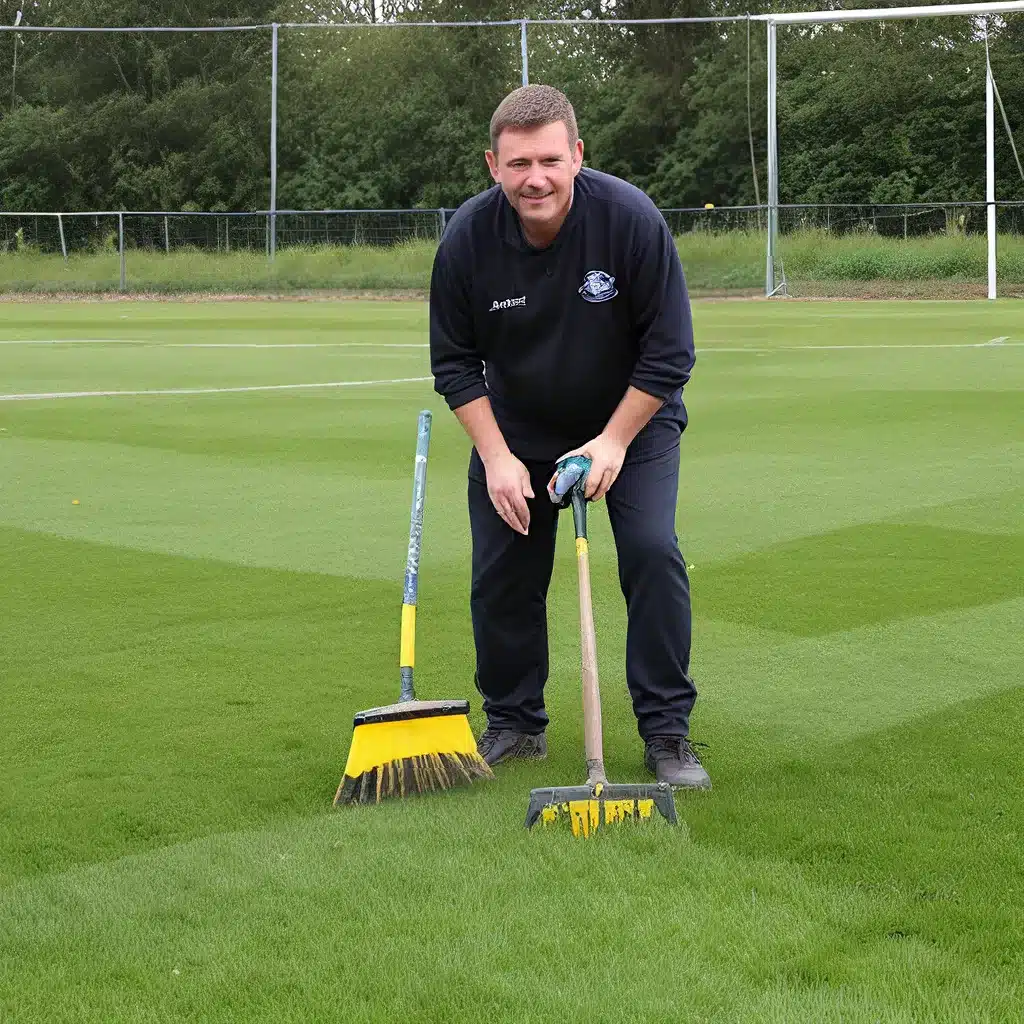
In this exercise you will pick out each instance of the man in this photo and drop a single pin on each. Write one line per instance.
(560, 324)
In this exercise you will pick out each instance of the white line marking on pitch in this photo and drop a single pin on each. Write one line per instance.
(41, 396)
(296, 344)
(975, 344)
(994, 343)
(215, 344)
(75, 341)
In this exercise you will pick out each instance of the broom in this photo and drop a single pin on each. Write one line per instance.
(414, 746)
(599, 802)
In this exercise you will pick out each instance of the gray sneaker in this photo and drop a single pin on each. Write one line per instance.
(672, 760)
(497, 745)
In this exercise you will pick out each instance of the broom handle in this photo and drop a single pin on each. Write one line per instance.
(588, 643)
(407, 657)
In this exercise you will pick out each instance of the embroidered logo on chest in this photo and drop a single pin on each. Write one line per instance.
(598, 286)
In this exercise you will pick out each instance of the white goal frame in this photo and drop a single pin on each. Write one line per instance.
(771, 286)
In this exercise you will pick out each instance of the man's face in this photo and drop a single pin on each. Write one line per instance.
(535, 168)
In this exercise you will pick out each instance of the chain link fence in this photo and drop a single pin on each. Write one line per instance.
(67, 233)
(723, 248)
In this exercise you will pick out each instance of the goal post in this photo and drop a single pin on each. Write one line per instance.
(977, 10)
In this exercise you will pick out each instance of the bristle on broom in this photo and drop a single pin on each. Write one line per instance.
(415, 746)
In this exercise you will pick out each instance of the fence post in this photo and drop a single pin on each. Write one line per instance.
(63, 245)
(273, 143)
(167, 236)
(990, 172)
(522, 49)
(120, 246)
(773, 167)
(442, 220)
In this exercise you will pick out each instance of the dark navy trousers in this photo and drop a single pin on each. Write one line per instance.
(508, 600)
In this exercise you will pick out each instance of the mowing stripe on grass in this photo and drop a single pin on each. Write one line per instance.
(42, 396)
(1000, 342)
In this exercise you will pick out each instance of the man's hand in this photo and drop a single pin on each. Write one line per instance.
(508, 480)
(606, 456)
(508, 484)
(607, 451)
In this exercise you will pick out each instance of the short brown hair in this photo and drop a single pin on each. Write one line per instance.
(531, 106)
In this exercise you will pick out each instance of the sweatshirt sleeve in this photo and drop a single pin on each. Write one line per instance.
(661, 312)
(455, 360)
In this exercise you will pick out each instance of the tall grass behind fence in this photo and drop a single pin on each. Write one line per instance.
(715, 261)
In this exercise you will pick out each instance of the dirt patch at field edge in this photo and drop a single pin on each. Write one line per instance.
(799, 291)
(298, 296)
(904, 290)
(311, 296)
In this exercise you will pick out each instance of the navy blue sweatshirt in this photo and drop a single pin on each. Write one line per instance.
(554, 337)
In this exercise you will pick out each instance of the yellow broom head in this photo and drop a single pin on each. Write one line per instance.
(412, 747)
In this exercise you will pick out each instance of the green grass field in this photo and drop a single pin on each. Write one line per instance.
(183, 650)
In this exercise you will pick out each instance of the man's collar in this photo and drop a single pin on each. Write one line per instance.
(515, 235)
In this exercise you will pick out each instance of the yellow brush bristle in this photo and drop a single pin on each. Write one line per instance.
(408, 756)
(587, 816)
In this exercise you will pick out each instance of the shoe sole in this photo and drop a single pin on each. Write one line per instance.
(518, 756)
(676, 786)
(703, 784)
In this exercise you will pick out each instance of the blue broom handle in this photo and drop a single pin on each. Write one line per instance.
(412, 561)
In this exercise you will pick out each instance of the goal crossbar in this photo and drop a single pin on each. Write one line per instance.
(891, 13)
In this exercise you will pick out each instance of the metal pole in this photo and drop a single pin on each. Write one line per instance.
(523, 51)
(14, 66)
(773, 180)
(441, 221)
(273, 143)
(990, 174)
(63, 245)
(167, 236)
(120, 246)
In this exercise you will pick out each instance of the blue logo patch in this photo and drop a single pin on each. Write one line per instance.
(598, 286)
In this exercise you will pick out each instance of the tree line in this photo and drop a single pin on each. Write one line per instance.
(397, 117)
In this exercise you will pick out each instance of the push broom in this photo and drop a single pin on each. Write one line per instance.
(414, 746)
(599, 802)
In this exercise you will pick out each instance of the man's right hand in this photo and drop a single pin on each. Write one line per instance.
(508, 480)
(508, 484)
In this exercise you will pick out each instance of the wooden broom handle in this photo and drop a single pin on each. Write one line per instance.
(588, 645)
